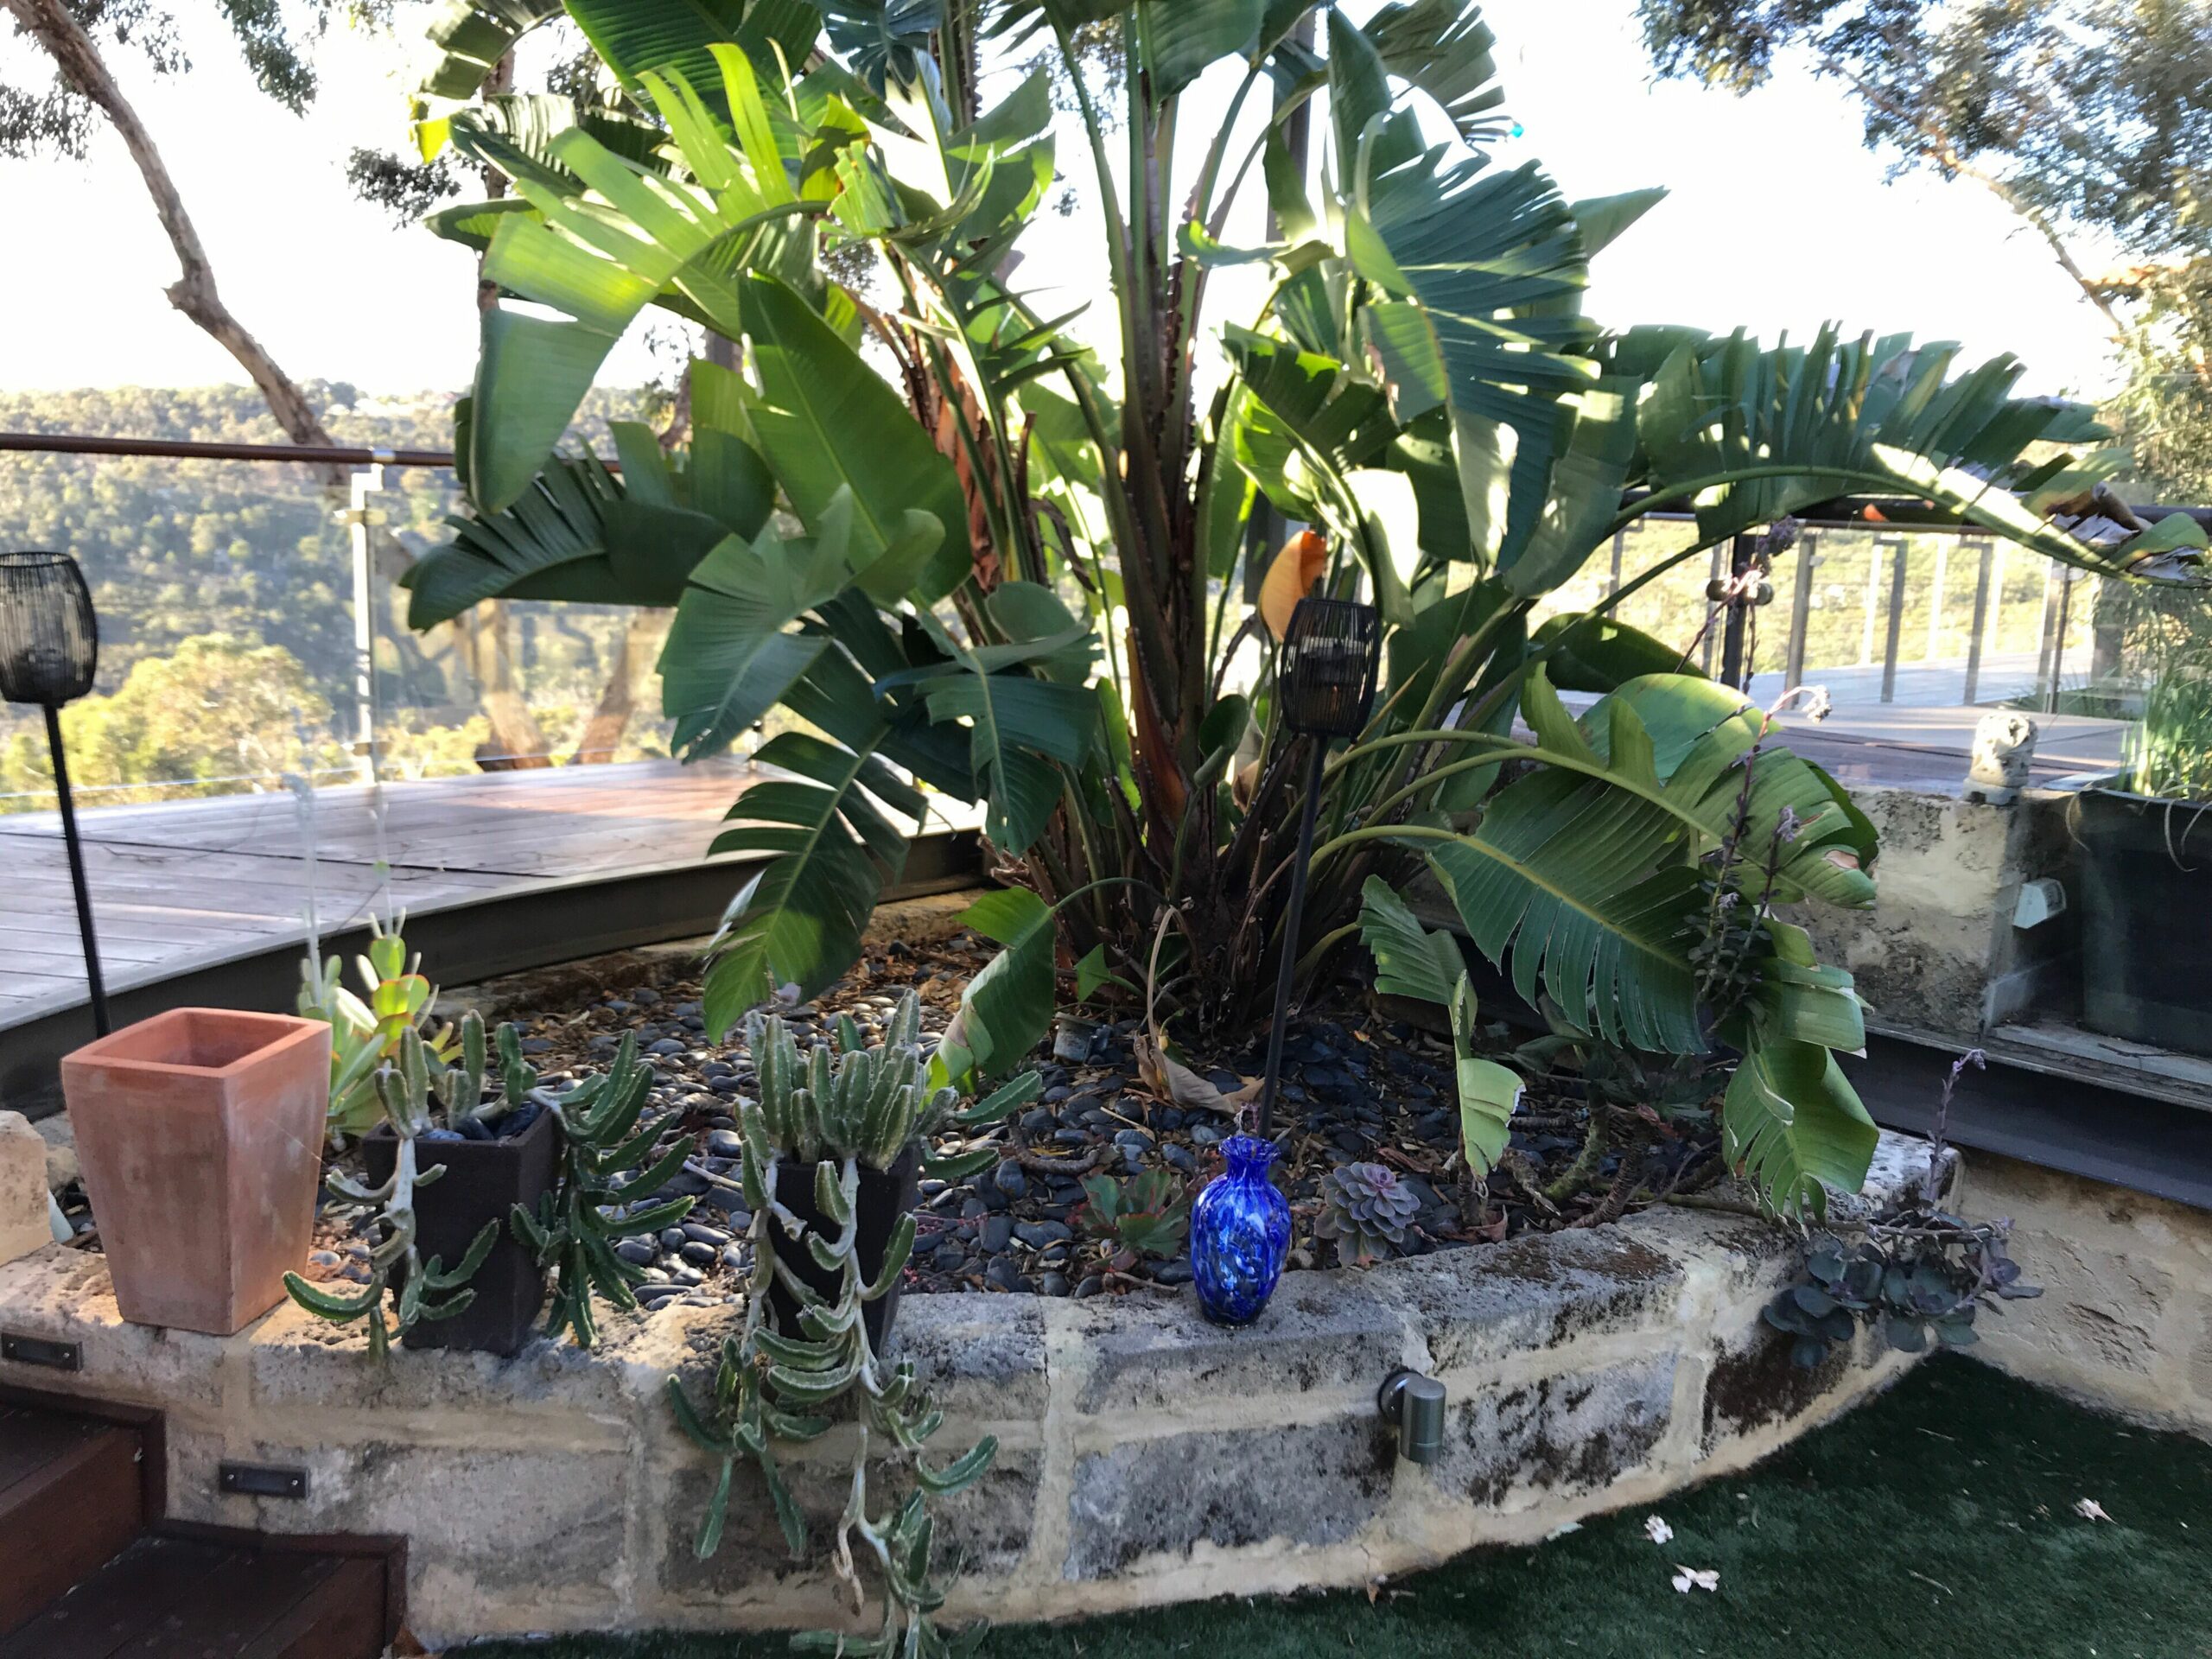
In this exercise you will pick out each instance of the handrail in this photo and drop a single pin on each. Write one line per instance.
(1850, 512)
(70, 443)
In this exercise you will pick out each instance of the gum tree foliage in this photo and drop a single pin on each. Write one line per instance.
(76, 38)
(1011, 567)
(2091, 119)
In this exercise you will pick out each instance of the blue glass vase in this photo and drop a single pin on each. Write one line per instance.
(1240, 1232)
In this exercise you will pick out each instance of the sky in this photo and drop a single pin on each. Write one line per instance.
(1778, 217)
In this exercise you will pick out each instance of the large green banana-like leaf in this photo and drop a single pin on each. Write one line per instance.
(1701, 737)
(678, 36)
(1852, 417)
(1575, 877)
(1483, 270)
(828, 421)
(1180, 38)
(1018, 726)
(1562, 883)
(1792, 1122)
(730, 658)
(798, 920)
(600, 259)
(579, 532)
(468, 37)
(1008, 1007)
(1410, 960)
(1595, 443)
(1443, 46)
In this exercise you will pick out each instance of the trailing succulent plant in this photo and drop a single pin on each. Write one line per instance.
(1919, 1270)
(1921, 1280)
(597, 1181)
(836, 1112)
(366, 1029)
(420, 1290)
(1149, 1214)
(1366, 1208)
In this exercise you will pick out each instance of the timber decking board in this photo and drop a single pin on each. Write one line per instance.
(180, 883)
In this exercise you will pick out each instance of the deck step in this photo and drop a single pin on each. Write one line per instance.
(189, 1597)
(72, 1496)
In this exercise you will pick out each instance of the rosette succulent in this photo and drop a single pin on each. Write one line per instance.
(1366, 1208)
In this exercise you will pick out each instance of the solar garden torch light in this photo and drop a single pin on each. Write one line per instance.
(1325, 686)
(49, 646)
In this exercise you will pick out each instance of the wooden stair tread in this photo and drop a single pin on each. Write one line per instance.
(72, 1496)
(171, 1598)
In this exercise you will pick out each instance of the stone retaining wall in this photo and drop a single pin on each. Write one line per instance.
(2125, 1320)
(1147, 1457)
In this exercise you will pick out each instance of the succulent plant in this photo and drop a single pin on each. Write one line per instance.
(848, 1100)
(846, 1104)
(1366, 1208)
(421, 1290)
(1146, 1215)
(366, 1030)
(588, 1207)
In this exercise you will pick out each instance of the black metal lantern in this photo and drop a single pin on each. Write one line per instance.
(49, 649)
(1324, 687)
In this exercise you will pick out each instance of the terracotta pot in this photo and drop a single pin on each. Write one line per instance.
(201, 1135)
(484, 1180)
(885, 1195)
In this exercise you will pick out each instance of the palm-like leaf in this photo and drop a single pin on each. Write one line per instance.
(1863, 416)
(580, 532)
(1410, 960)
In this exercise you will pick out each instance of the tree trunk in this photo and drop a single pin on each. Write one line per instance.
(634, 654)
(518, 742)
(194, 293)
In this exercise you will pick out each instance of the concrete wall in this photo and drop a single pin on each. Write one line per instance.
(2124, 1321)
(1145, 1457)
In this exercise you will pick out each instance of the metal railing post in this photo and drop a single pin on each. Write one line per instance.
(1986, 551)
(1620, 545)
(1711, 643)
(1801, 613)
(1935, 599)
(368, 481)
(1897, 616)
(1873, 593)
(2046, 663)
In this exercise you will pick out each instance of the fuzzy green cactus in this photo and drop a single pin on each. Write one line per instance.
(425, 1290)
(1366, 1208)
(846, 1100)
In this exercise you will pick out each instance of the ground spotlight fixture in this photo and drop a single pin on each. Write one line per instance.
(1414, 1405)
(49, 648)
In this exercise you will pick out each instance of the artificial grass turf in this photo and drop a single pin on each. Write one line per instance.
(1939, 1520)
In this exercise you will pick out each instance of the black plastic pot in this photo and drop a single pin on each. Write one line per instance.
(2147, 919)
(885, 1195)
(483, 1181)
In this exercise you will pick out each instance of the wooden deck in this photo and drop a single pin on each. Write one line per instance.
(184, 885)
(185, 882)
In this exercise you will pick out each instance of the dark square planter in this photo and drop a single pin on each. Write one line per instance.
(484, 1180)
(885, 1195)
(2147, 919)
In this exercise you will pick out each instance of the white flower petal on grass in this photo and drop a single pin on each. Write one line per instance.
(1656, 1529)
(1688, 1578)
(2089, 1509)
